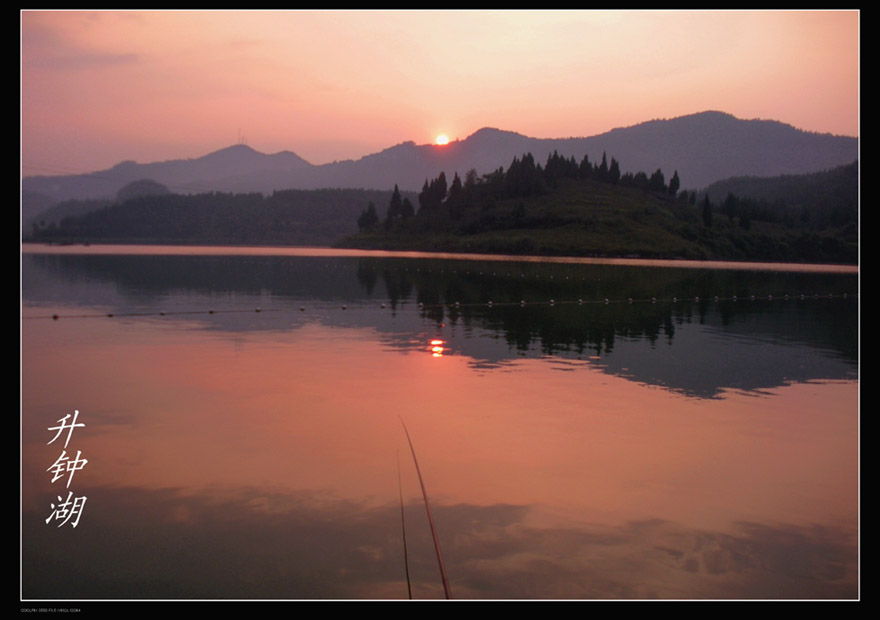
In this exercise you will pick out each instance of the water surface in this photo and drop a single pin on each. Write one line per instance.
(586, 429)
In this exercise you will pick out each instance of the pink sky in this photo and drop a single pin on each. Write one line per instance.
(101, 87)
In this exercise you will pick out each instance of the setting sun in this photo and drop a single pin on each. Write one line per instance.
(442, 139)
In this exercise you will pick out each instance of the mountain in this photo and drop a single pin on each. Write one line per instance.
(826, 188)
(703, 148)
(237, 168)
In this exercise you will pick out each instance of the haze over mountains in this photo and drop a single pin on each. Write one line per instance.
(703, 148)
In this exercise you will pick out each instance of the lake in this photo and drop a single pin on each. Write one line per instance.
(584, 429)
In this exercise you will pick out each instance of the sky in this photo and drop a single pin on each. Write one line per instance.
(100, 87)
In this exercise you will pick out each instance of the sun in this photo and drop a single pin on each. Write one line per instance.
(442, 139)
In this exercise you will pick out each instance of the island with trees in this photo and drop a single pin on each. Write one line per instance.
(585, 208)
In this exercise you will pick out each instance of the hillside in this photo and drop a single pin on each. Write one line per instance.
(601, 214)
(821, 198)
(291, 217)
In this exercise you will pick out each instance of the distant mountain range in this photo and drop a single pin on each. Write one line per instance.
(703, 148)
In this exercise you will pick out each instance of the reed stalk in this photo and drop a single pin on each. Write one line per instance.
(403, 528)
(430, 517)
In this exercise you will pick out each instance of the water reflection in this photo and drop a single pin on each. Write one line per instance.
(744, 329)
(655, 449)
(299, 547)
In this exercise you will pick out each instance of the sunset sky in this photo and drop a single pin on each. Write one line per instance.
(101, 87)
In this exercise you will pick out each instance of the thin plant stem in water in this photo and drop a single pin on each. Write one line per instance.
(430, 518)
(403, 528)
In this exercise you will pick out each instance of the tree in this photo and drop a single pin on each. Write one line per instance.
(455, 189)
(432, 194)
(586, 168)
(674, 183)
(368, 217)
(440, 189)
(455, 198)
(614, 171)
(471, 179)
(657, 182)
(602, 170)
(425, 197)
(707, 211)
(408, 209)
(395, 208)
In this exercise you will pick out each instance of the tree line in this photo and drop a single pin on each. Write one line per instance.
(523, 178)
(307, 217)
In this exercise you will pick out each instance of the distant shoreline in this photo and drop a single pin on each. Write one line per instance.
(165, 249)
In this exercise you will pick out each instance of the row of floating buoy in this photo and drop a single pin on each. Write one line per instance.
(630, 300)
(490, 304)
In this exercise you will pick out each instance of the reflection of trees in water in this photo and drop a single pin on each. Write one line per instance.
(440, 284)
(643, 303)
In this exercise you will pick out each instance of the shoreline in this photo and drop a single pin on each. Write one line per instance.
(148, 249)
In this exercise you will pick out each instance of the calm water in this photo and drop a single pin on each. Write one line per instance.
(243, 432)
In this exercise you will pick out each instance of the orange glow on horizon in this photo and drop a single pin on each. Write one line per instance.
(100, 87)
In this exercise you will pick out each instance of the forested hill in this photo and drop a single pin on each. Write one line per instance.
(820, 198)
(563, 207)
(290, 217)
(590, 209)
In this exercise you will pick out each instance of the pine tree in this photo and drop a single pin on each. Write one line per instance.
(602, 170)
(586, 168)
(657, 182)
(707, 211)
(674, 183)
(395, 206)
(395, 209)
(614, 171)
(368, 217)
(407, 210)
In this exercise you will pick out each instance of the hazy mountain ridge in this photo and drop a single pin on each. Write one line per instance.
(703, 148)
(826, 187)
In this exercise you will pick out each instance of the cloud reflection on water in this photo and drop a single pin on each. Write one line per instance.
(249, 544)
